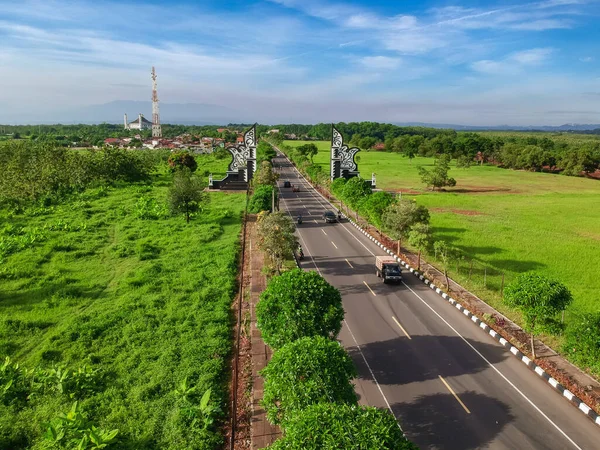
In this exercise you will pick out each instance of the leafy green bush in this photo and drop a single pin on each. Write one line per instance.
(307, 371)
(147, 208)
(180, 159)
(356, 191)
(331, 426)
(298, 304)
(261, 199)
(582, 342)
(540, 299)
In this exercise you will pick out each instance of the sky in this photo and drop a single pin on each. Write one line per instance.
(461, 62)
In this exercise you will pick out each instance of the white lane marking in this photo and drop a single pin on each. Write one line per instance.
(372, 374)
(455, 396)
(466, 342)
(334, 244)
(350, 264)
(401, 327)
(324, 232)
(316, 221)
(495, 369)
(374, 294)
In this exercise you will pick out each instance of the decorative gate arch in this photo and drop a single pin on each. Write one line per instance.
(343, 163)
(242, 166)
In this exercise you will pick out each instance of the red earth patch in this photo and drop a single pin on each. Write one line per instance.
(462, 212)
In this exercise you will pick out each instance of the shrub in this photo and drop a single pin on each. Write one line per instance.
(179, 160)
(262, 199)
(304, 372)
(330, 426)
(356, 191)
(186, 195)
(298, 304)
(582, 341)
(277, 237)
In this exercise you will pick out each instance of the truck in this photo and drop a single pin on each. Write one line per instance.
(388, 269)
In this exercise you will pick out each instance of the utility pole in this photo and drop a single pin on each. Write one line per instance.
(156, 131)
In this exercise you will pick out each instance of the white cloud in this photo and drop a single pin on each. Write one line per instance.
(380, 62)
(586, 59)
(513, 63)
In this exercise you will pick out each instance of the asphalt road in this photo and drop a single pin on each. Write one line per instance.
(450, 385)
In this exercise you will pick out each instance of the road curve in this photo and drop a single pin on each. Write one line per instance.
(450, 385)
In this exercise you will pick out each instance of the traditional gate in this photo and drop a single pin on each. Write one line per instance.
(242, 166)
(343, 163)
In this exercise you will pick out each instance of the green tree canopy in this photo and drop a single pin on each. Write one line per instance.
(398, 218)
(308, 150)
(298, 304)
(447, 253)
(539, 299)
(186, 195)
(375, 205)
(277, 238)
(438, 176)
(265, 175)
(332, 426)
(420, 236)
(304, 372)
(355, 191)
(262, 199)
(178, 160)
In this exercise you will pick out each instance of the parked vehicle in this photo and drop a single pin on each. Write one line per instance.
(388, 269)
(329, 217)
(295, 188)
(286, 183)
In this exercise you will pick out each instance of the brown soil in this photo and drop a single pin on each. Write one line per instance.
(471, 189)
(463, 212)
(243, 408)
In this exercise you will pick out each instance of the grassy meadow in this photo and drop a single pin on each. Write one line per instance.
(506, 221)
(109, 280)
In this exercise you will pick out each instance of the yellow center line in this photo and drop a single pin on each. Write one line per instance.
(455, 396)
(374, 294)
(332, 242)
(401, 327)
(323, 231)
(349, 264)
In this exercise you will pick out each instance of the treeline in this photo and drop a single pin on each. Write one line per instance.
(37, 172)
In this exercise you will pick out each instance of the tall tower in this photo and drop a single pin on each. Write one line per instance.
(156, 132)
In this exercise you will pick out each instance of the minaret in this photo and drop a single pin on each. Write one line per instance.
(125, 121)
(156, 131)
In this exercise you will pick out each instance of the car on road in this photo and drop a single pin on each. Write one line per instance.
(287, 184)
(329, 217)
(295, 188)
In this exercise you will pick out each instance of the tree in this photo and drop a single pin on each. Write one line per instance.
(539, 299)
(304, 372)
(277, 238)
(355, 191)
(331, 426)
(186, 195)
(298, 304)
(375, 205)
(447, 253)
(182, 159)
(438, 177)
(420, 236)
(265, 175)
(399, 217)
(308, 150)
(262, 199)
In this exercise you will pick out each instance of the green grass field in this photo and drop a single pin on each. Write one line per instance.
(506, 221)
(146, 301)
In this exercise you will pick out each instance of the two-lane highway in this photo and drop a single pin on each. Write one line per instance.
(449, 384)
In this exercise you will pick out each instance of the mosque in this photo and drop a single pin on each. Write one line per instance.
(141, 123)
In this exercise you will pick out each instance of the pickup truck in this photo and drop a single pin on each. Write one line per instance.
(388, 269)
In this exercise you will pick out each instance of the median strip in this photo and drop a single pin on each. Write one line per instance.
(401, 327)
(455, 396)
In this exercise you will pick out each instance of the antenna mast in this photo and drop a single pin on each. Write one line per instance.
(156, 131)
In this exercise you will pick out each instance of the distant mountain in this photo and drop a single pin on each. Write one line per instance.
(565, 127)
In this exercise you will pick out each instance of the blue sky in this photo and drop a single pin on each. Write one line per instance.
(277, 61)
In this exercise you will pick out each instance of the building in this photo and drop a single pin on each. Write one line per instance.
(141, 123)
